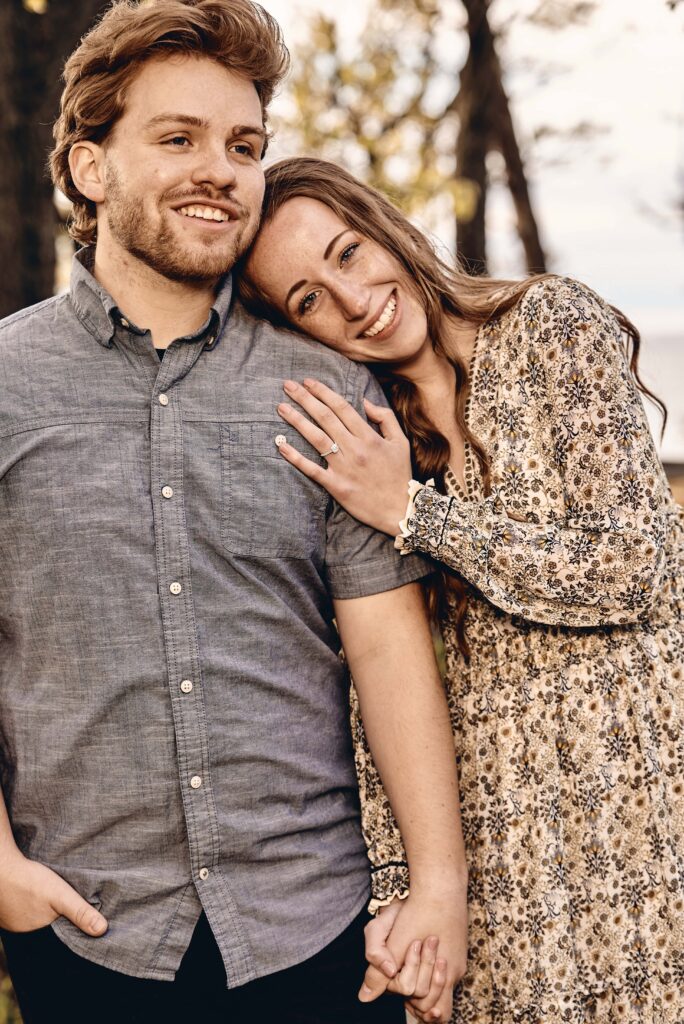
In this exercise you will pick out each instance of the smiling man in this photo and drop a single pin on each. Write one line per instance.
(179, 834)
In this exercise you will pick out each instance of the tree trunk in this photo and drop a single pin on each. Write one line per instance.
(482, 89)
(34, 47)
(471, 168)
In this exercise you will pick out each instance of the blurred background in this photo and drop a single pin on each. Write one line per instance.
(522, 134)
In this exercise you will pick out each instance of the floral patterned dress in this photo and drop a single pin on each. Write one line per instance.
(568, 720)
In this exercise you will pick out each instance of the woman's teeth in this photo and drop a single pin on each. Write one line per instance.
(385, 318)
(204, 212)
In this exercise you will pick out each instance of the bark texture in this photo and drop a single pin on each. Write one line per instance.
(486, 124)
(34, 49)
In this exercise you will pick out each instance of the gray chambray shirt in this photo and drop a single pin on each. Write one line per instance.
(173, 710)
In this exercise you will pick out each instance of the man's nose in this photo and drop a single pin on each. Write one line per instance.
(353, 298)
(214, 167)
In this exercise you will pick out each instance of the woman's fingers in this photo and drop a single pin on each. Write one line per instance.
(435, 1007)
(321, 413)
(428, 956)
(405, 981)
(316, 437)
(304, 465)
(385, 419)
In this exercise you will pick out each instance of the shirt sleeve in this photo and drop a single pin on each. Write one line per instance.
(602, 561)
(359, 560)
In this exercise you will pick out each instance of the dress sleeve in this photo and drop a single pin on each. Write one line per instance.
(602, 560)
(389, 868)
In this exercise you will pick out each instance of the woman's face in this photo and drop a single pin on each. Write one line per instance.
(337, 285)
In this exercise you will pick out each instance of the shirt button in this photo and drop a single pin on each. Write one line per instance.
(186, 685)
(196, 781)
(280, 439)
(163, 399)
(204, 873)
(167, 492)
(124, 322)
(175, 588)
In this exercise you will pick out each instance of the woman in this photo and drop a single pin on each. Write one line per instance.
(533, 483)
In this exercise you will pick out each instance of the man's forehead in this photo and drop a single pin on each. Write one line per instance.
(164, 85)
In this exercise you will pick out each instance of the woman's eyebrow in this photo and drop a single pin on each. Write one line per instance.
(329, 248)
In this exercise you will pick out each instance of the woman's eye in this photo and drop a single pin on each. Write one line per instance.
(178, 141)
(307, 302)
(348, 252)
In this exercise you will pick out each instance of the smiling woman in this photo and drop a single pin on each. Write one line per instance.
(534, 485)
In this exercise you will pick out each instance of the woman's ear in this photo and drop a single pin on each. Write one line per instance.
(86, 162)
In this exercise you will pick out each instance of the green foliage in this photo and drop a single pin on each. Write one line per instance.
(387, 110)
(9, 1012)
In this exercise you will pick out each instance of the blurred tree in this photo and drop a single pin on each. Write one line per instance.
(419, 107)
(9, 1012)
(37, 36)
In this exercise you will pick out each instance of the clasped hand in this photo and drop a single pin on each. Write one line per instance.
(430, 966)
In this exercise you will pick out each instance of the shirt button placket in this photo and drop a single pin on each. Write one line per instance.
(172, 547)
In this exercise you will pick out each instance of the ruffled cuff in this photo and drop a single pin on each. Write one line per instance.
(401, 541)
(388, 883)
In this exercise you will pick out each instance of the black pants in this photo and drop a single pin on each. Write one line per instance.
(54, 985)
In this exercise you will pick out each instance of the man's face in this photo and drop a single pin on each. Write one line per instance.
(183, 177)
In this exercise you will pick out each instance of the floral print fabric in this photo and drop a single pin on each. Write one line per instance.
(569, 718)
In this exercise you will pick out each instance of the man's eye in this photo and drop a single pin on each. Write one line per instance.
(307, 302)
(348, 252)
(242, 149)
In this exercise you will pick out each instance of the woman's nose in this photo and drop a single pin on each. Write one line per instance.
(353, 298)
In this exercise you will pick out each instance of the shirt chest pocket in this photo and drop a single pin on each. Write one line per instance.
(268, 508)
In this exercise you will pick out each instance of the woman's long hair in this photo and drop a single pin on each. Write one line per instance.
(444, 291)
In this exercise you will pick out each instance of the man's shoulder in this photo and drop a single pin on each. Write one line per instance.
(33, 321)
(312, 358)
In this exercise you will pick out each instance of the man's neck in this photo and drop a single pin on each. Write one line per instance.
(168, 309)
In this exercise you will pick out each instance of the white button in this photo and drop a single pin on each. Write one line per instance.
(163, 399)
(167, 492)
(124, 322)
(204, 873)
(211, 339)
(175, 588)
(196, 781)
(186, 685)
(280, 439)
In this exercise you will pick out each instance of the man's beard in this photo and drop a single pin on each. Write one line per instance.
(159, 248)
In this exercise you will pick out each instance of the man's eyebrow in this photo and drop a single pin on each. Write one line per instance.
(188, 119)
(326, 254)
(199, 122)
(249, 129)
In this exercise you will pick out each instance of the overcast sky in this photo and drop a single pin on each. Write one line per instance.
(609, 214)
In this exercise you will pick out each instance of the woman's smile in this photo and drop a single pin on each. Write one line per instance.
(337, 285)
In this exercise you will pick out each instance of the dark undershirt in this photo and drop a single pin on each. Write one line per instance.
(160, 352)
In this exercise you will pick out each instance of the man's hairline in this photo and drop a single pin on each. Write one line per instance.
(138, 65)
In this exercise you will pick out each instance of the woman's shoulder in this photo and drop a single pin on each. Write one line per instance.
(555, 309)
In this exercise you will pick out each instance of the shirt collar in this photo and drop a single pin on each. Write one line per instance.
(101, 316)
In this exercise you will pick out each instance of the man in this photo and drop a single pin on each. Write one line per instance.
(173, 735)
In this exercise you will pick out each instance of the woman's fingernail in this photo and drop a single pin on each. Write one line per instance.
(284, 407)
(365, 993)
(289, 385)
(308, 382)
(433, 942)
(388, 968)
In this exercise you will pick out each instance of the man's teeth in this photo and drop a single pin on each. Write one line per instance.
(386, 317)
(204, 212)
